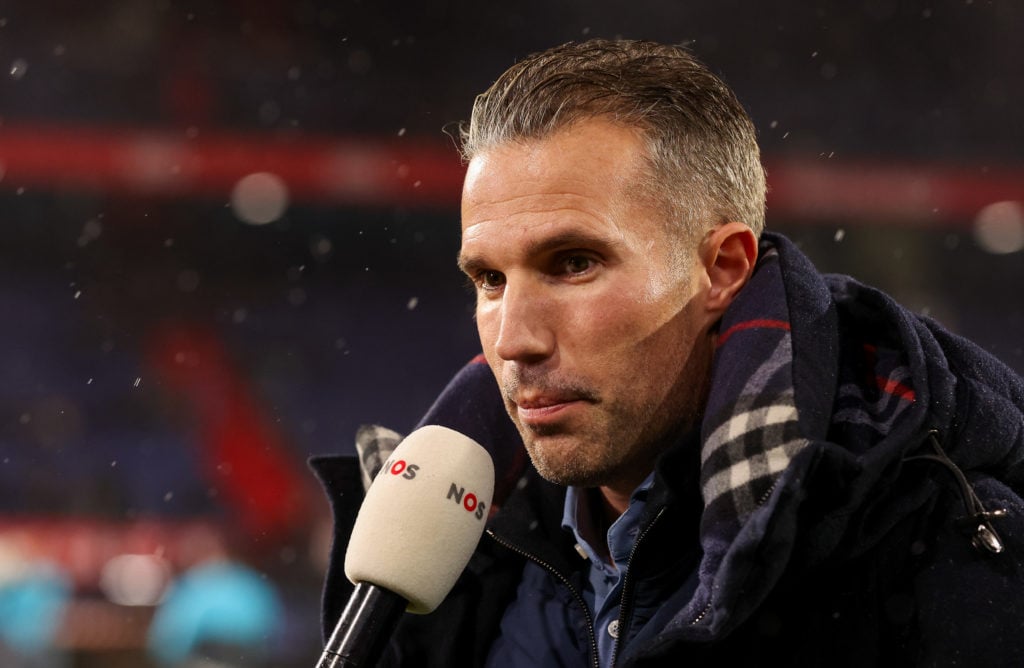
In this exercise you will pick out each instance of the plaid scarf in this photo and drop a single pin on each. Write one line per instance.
(751, 429)
(762, 412)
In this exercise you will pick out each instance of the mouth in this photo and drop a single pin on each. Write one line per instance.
(535, 410)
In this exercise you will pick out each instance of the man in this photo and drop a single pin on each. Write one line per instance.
(731, 457)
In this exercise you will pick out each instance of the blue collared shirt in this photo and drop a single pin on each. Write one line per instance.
(605, 580)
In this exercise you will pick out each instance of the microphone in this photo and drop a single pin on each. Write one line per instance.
(415, 532)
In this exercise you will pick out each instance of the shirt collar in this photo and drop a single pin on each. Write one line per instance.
(620, 536)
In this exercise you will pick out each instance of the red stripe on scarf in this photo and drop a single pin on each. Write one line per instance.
(760, 323)
(895, 388)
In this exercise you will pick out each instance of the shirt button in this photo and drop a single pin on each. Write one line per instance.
(613, 629)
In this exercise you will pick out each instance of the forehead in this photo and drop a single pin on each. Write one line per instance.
(580, 182)
(595, 162)
(593, 159)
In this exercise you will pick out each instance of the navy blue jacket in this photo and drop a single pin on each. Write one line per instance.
(853, 498)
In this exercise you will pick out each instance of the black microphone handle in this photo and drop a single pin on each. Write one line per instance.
(365, 626)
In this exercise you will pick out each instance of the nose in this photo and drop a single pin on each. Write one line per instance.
(524, 333)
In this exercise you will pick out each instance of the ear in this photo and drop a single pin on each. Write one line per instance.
(729, 253)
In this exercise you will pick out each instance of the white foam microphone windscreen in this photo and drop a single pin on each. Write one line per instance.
(422, 517)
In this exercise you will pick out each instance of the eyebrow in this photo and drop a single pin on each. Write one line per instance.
(470, 264)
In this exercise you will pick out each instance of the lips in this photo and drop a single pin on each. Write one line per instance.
(536, 414)
(542, 401)
(537, 409)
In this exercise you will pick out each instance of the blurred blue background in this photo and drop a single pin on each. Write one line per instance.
(229, 232)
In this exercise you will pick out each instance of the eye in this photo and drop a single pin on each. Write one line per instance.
(575, 265)
(490, 280)
(578, 264)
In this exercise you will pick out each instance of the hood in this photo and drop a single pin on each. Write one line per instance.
(821, 388)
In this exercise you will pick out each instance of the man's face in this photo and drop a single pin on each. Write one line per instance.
(594, 330)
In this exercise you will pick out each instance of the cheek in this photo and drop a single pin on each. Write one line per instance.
(622, 319)
(486, 326)
(487, 331)
(641, 342)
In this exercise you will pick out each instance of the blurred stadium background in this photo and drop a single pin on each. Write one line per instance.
(228, 233)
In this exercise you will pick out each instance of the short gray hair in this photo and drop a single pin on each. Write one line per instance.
(703, 157)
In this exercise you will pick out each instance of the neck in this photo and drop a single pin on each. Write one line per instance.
(615, 496)
(615, 500)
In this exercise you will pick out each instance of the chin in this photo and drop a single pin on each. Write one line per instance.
(562, 460)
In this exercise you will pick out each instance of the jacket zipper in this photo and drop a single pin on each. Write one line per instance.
(594, 660)
(625, 602)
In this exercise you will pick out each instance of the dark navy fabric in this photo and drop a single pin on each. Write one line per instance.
(543, 626)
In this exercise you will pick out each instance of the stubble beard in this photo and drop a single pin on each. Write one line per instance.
(564, 454)
(604, 451)
(565, 458)
(622, 441)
